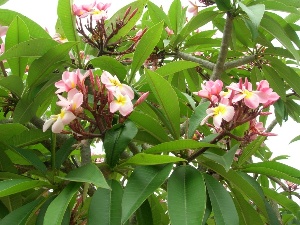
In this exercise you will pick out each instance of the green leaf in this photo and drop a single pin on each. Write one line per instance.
(42, 67)
(143, 214)
(247, 213)
(27, 106)
(167, 99)
(29, 156)
(68, 22)
(9, 187)
(297, 138)
(150, 125)
(88, 173)
(117, 139)
(64, 151)
(276, 169)
(105, 207)
(29, 137)
(282, 200)
(157, 14)
(174, 67)
(2, 2)
(175, 16)
(186, 196)
(224, 160)
(145, 47)
(275, 81)
(177, 145)
(196, 118)
(35, 30)
(241, 182)
(141, 184)
(275, 29)
(111, 65)
(223, 5)
(139, 5)
(203, 17)
(20, 215)
(158, 212)
(221, 201)
(17, 33)
(250, 150)
(9, 130)
(32, 48)
(56, 210)
(13, 83)
(254, 12)
(287, 73)
(149, 159)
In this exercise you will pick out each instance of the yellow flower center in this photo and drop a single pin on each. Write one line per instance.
(121, 99)
(247, 93)
(220, 110)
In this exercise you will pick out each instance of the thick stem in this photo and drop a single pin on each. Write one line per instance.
(206, 64)
(219, 67)
(85, 152)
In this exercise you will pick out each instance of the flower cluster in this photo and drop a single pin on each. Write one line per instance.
(238, 105)
(109, 96)
(97, 11)
(70, 105)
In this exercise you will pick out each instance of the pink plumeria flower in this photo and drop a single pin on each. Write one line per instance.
(79, 11)
(193, 8)
(121, 103)
(60, 39)
(244, 91)
(210, 90)
(169, 31)
(67, 83)
(72, 102)
(3, 30)
(113, 84)
(59, 121)
(100, 12)
(219, 113)
(267, 93)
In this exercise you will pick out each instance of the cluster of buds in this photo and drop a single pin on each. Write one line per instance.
(109, 97)
(238, 105)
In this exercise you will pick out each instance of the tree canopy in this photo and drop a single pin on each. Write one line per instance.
(176, 99)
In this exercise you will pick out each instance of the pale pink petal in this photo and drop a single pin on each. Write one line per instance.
(67, 117)
(127, 108)
(114, 106)
(228, 115)
(217, 120)
(48, 124)
(252, 102)
(63, 102)
(57, 126)
(3, 30)
(126, 90)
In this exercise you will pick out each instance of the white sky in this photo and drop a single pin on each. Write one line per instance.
(44, 13)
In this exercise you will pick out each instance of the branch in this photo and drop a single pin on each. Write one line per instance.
(202, 150)
(85, 152)
(284, 187)
(219, 67)
(239, 62)
(205, 63)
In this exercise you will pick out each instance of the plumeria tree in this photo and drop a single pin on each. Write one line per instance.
(150, 116)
